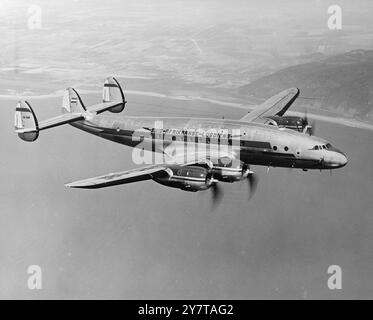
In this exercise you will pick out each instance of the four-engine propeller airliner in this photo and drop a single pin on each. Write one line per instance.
(195, 154)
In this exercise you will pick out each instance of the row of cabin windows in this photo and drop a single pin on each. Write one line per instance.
(198, 139)
(285, 148)
(208, 140)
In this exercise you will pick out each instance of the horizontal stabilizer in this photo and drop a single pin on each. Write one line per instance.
(73, 109)
(60, 120)
(27, 126)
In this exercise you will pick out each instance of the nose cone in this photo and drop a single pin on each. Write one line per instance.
(341, 160)
(337, 160)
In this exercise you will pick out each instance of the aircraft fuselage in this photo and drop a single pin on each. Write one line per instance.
(257, 144)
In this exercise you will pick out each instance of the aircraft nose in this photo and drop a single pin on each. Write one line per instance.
(342, 159)
(338, 160)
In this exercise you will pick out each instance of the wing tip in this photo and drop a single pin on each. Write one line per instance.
(70, 185)
(76, 185)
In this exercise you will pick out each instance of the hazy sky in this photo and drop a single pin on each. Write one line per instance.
(224, 43)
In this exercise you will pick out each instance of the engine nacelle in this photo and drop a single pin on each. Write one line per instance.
(289, 122)
(188, 178)
(229, 170)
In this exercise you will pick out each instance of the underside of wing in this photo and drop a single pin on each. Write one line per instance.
(276, 105)
(113, 179)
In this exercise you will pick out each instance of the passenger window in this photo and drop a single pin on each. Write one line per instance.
(274, 148)
(286, 148)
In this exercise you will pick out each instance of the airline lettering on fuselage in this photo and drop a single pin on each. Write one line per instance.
(222, 134)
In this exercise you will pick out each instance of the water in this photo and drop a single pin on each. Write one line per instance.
(148, 241)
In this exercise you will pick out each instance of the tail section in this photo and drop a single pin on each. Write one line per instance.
(71, 102)
(25, 122)
(111, 93)
(73, 109)
(27, 125)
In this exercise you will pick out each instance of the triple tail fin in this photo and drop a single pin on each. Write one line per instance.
(72, 102)
(111, 93)
(27, 125)
(25, 122)
(73, 109)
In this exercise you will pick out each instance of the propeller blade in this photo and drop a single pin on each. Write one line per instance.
(217, 194)
(306, 118)
(252, 180)
(244, 168)
(306, 123)
(312, 129)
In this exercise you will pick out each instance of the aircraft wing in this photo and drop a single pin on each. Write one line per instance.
(179, 158)
(113, 179)
(276, 105)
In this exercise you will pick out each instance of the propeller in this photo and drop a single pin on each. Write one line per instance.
(217, 195)
(244, 170)
(311, 129)
(252, 180)
(217, 192)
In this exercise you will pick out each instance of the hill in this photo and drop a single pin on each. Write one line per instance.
(341, 83)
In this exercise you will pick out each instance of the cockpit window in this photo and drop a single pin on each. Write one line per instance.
(324, 146)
